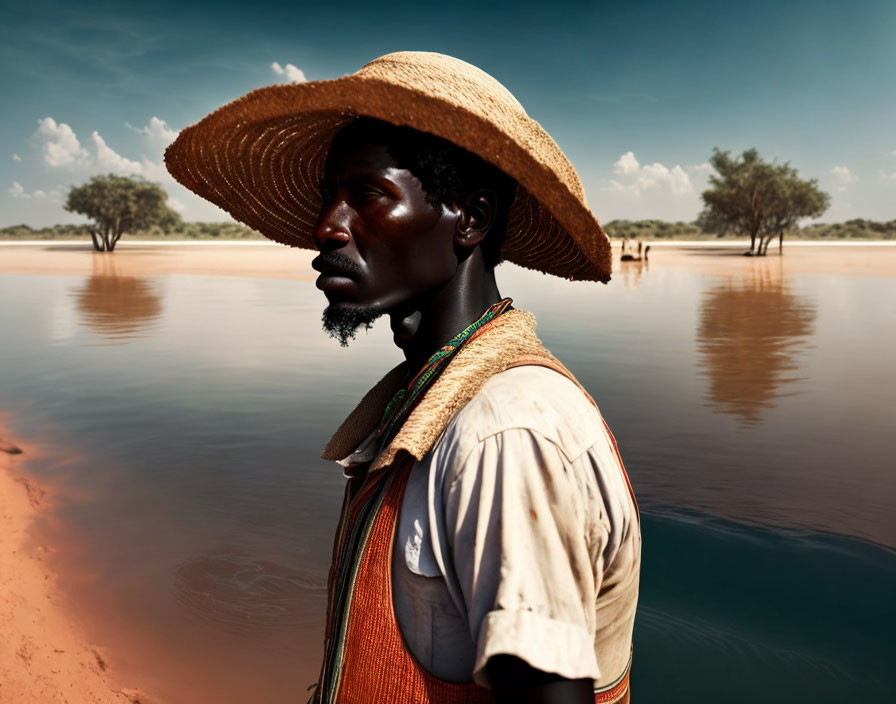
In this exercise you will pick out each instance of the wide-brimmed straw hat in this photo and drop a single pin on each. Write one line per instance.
(261, 157)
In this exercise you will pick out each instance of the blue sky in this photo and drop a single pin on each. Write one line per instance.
(636, 93)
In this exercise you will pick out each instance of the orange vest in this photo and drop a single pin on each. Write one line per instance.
(366, 660)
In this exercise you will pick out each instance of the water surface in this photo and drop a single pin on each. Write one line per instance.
(183, 415)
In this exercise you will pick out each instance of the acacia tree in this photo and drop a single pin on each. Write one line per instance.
(749, 196)
(119, 204)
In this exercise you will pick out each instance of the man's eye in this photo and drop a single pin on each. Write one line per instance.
(369, 192)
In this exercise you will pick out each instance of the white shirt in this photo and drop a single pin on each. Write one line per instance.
(517, 535)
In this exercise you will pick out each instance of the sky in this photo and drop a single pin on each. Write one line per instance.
(637, 94)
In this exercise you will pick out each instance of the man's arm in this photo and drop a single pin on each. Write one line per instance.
(520, 541)
(513, 681)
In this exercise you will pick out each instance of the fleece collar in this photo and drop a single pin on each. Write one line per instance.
(503, 343)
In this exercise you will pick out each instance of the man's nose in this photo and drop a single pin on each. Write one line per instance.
(332, 229)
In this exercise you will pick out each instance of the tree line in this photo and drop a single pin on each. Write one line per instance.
(858, 229)
(180, 231)
(747, 197)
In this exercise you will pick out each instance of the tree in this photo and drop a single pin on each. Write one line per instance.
(748, 196)
(119, 204)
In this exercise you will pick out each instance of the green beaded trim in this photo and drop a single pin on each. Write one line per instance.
(405, 398)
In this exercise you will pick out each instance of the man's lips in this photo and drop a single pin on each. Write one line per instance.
(335, 266)
(336, 272)
(327, 282)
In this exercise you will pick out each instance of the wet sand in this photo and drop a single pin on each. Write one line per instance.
(44, 658)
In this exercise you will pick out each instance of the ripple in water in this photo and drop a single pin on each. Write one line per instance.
(240, 594)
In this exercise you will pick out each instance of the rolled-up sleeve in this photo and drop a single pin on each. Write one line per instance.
(525, 552)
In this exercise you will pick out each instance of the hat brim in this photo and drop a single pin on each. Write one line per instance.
(261, 158)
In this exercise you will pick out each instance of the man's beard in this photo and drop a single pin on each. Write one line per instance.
(342, 322)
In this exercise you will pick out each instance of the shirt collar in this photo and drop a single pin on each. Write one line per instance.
(504, 340)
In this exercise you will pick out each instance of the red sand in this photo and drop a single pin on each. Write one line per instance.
(44, 659)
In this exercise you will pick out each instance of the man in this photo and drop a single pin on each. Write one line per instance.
(489, 544)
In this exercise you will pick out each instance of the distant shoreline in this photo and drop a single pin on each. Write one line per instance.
(653, 231)
(270, 260)
(664, 242)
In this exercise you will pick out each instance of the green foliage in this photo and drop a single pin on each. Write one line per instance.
(60, 232)
(119, 204)
(851, 229)
(654, 230)
(216, 230)
(632, 229)
(751, 197)
(179, 231)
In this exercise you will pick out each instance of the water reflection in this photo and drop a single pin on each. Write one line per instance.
(749, 334)
(632, 272)
(206, 459)
(114, 305)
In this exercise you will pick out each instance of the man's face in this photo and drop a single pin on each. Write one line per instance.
(382, 244)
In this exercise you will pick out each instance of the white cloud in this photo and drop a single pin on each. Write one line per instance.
(843, 175)
(175, 205)
(675, 178)
(62, 150)
(155, 171)
(18, 191)
(292, 73)
(16, 157)
(632, 190)
(635, 179)
(59, 143)
(107, 159)
(157, 131)
(626, 164)
(884, 176)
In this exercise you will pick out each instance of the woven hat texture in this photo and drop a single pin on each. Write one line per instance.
(261, 158)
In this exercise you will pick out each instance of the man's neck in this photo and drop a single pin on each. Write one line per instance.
(427, 324)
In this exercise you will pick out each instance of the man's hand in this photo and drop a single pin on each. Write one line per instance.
(514, 681)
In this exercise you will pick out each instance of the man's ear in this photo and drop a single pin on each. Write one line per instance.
(477, 215)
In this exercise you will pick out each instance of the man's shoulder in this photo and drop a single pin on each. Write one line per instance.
(530, 398)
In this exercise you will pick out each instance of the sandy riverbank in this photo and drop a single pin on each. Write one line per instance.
(274, 261)
(43, 657)
(833, 258)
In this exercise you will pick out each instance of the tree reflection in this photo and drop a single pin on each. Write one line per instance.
(115, 305)
(749, 334)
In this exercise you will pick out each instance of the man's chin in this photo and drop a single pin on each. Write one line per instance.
(342, 320)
